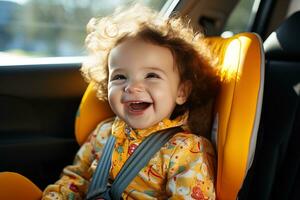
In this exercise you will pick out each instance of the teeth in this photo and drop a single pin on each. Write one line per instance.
(137, 102)
(139, 105)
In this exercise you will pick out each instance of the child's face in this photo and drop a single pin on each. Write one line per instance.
(144, 84)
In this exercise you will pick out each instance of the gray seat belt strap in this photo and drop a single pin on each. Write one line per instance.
(139, 159)
(100, 177)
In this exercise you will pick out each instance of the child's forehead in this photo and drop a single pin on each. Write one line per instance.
(134, 48)
(136, 42)
(136, 52)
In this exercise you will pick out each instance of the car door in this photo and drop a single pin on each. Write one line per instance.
(38, 103)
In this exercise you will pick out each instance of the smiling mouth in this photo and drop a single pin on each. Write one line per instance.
(137, 107)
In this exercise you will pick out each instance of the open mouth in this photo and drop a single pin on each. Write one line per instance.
(138, 106)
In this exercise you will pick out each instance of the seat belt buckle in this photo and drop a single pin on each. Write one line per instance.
(101, 194)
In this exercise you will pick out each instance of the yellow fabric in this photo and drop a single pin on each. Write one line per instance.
(240, 57)
(14, 186)
(91, 111)
(183, 168)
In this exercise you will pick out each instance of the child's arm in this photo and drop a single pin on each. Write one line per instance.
(191, 172)
(74, 180)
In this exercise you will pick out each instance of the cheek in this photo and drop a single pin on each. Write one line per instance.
(165, 94)
(113, 98)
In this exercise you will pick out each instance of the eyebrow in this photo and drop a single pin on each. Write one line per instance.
(117, 68)
(156, 69)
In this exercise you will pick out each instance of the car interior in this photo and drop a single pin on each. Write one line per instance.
(47, 109)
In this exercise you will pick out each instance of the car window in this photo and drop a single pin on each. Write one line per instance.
(52, 28)
(293, 7)
(240, 18)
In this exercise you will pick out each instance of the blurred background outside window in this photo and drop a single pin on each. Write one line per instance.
(52, 28)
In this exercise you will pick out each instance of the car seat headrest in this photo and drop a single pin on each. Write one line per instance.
(283, 44)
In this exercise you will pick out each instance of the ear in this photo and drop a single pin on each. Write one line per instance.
(184, 91)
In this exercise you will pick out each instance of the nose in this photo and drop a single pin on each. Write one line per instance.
(134, 87)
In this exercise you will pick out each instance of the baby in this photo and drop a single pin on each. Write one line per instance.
(156, 73)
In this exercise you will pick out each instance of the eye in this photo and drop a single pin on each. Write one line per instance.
(118, 77)
(152, 75)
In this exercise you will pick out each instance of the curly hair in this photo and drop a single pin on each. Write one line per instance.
(189, 49)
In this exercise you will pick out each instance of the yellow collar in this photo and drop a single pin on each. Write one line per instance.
(122, 131)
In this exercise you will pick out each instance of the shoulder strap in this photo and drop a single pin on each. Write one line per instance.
(140, 157)
(100, 177)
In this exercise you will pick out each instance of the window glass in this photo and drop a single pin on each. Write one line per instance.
(293, 7)
(45, 28)
(240, 18)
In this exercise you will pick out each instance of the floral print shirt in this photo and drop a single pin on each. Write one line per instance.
(182, 169)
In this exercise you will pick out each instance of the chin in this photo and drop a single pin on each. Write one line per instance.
(139, 125)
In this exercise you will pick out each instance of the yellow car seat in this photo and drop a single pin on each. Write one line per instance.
(237, 117)
(238, 109)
